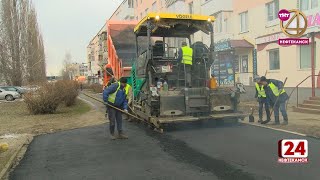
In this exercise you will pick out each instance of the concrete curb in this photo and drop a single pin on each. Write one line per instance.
(14, 157)
(282, 130)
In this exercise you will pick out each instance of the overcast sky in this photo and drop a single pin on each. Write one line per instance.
(69, 25)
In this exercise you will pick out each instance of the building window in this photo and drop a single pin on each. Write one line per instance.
(191, 8)
(314, 4)
(219, 23)
(272, 10)
(304, 5)
(244, 64)
(136, 5)
(154, 7)
(140, 1)
(274, 60)
(308, 4)
(305, 57)
(141, 16)
(130, 3)
(226, 25)
(244, 21)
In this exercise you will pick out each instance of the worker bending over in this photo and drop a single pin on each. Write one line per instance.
(185, 55)
(278, 97)
(115, 95)
(262, 99)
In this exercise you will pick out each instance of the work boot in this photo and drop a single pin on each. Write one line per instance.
(276, 121)
(112, 137)
(265, 122)
(285, 120)
(260, 121)
(122, 136)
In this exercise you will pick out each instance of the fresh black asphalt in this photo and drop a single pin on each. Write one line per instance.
(188, 151)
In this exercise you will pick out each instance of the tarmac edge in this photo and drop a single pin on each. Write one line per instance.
(20, 151)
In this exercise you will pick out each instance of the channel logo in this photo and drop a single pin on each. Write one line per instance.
(293, 151)
(293, 24)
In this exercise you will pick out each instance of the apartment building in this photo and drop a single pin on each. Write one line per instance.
(97, 56)
(125, 11)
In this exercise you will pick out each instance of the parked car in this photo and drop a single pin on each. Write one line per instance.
(9, 95)
(32, 88)
(14, 88)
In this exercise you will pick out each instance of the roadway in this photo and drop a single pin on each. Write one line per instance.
(188, 151)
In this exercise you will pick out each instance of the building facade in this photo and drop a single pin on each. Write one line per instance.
(246, 35)
(125, 11)
(259, 24)
(97, 56)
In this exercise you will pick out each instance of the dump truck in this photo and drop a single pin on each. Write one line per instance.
(158, 37)
(121, 49)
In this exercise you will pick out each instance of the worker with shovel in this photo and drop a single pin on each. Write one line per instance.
(278, 97)
(115, 98)
(262, 99)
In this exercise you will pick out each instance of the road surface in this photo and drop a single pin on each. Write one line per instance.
(201, 151)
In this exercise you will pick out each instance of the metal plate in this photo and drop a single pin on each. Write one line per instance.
(169, 104)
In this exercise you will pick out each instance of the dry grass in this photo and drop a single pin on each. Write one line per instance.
(15, 118)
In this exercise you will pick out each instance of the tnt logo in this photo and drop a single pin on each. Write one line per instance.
(284, 15)
(293, 151)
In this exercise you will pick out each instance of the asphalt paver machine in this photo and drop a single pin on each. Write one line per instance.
(159, 80)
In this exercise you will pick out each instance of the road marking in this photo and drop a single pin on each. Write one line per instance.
(276, 129)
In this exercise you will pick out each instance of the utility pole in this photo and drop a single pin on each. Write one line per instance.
(312, 65)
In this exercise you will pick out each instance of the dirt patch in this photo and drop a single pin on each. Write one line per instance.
(15, 119)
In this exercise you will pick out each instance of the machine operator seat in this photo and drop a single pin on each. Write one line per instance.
(158, 49)
(200, 51)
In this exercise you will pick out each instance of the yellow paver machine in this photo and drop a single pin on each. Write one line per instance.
(161, 94)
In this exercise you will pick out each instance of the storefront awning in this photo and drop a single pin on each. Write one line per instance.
(240, 44)
(227, 45)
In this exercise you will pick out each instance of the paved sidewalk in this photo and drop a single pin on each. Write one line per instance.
(303, 123)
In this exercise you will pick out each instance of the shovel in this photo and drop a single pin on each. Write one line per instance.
(251, 117)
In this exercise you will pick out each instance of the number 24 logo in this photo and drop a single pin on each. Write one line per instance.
(293, 148)
(299, 149)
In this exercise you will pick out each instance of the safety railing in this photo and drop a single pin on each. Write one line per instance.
(297, 88)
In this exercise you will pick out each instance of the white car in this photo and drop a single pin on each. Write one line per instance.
(9, 95)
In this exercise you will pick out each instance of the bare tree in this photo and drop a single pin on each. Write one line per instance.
(68, 67)
(35, 58)
(22, 56)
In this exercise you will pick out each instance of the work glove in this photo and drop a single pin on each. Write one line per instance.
(105, 103)
(125, 110)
